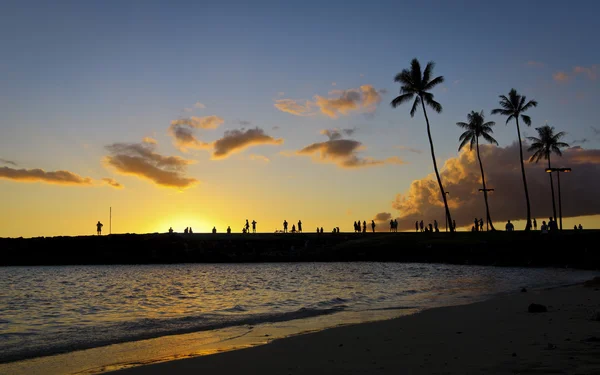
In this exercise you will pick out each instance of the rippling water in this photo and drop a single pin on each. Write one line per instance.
(48, 310)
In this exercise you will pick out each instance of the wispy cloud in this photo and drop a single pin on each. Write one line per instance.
(141, 160)
(199, 105)
(364, 99)
(112, 182)
(259, 158)
(39, 175)
(342, 152)
(237, 140)
(590, 72)
(9, 162)
(207, 122)
(560, 77)
(409, 149)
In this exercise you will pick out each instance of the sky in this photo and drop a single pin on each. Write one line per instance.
(205, 114)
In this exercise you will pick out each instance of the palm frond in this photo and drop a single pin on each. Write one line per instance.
(413, 110)
(415, 72)
(404, 77)
(434, 82)
(510, 117)
(401, 99)
(463, 125)
(468, 138)
(489, 139)
(428, 97)
(526, 119)
(531, 103)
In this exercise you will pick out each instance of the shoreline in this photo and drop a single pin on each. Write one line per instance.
(495, 336)
(480, 248)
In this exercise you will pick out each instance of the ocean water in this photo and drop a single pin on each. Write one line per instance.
(46, 311)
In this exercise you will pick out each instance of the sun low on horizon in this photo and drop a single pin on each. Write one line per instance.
(163, 115)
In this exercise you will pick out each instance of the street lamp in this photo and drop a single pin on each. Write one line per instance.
(558, 170)
(446, 192)
(487, 222)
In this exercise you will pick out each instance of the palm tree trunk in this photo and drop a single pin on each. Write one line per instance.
(528, 225)
(437, 174)
(552, 189)
(485, 197)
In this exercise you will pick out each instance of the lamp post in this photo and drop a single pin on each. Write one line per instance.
(558, 170)
(487, 221)
(447, 192)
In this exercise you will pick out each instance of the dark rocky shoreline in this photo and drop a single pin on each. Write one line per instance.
(573, 249)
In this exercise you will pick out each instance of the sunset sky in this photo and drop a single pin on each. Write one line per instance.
(206, 114)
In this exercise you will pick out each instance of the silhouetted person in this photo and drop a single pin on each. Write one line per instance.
(454, 225)
(421, 225)
(476, 224)
(365, 226)
(575, 227)
(509, 226)
(285, 226)
(391, 225)
(171, 230)
(300, 226)
(544, 227)
(228, 229)
(580, 227)
(214, 230)
(373, 225)
(552, 227)
(293, 228)
(472, 228)
(534, 224)
(191, 230)
(481, 225)
(247, 226)
(253, 226)
(99, 226)
(417, 226)
(321, 229)
(430, 227)
(185, 231)
(435, 225)
(395, 225)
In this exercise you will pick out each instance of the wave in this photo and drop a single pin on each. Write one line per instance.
(146, 328)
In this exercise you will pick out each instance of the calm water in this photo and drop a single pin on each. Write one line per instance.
(49, 310)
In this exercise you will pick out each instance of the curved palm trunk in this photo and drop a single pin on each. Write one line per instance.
(552, 190)
(437, 174)
(528, 225)
(485, 196)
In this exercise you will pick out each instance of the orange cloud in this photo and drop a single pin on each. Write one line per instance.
(294, 107)
(112, 182)
(184, 139)
(560, 77)
(238, 140)
(207, 122)
(462, 179)
(591, 72)
(149, 140)
(39, 175)
(141, 160)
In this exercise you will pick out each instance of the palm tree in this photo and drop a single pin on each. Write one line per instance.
(543, 146)
(513, 106)
(477, 127)
(415, 84)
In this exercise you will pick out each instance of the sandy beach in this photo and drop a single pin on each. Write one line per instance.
(497, 336)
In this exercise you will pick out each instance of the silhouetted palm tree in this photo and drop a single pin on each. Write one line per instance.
(416, 85)
(477, 127)
(513, 106)
(543, 146)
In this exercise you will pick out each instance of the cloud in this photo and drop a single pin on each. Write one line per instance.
(39, 175)
(382, 216)
(112, 182)
(461, 178)
(294, 107)
(149, 140)
(199, 105)
(141, 160)
(207, 122)
(9, 162)
(244, 122)
(259, 158)
(536, 64)
(337, 133)
(342, 152)
(184, 139)
(409, 149)
(364, 99)
(591, 72)
(238, 140)
(560, 77)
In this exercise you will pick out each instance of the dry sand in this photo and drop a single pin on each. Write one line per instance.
(498, 336)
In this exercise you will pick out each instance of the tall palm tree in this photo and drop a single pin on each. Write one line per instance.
(477, 127)
(547, 143)
(415, 84)
(513, 106)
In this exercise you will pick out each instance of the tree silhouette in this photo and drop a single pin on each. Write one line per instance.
(477, 127)
(416, 85)
(542, 147)
(513, 106)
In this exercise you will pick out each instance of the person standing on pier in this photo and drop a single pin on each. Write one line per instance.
(99, 226)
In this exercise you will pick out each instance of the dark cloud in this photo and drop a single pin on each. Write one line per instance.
(141, 160)
(184, 139)
(112, 182)
(207, 122)
(240, 139)
(39, 175)
(343, 152)
(9, 162)
(462, 179)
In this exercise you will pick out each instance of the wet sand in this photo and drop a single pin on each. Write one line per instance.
(497, 336)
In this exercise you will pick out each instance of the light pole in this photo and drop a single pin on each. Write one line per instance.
(558, 170)
(447, 192)
(487, 221)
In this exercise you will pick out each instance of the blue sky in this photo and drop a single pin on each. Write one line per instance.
(77, 76)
